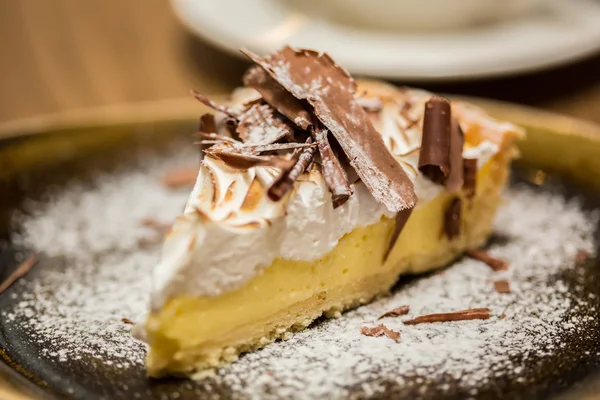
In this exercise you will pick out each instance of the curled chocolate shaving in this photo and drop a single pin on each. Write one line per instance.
(495, 263)
(285, 181)
(380, 330)
(280, 99)
(470, 177)
(457, 140)
(260, 124)
(332, 171)
(396, 312)
(21, 271)
(465, 315)
(452, 219)
(315, 78)
(434, 159)
(502, 286)
(127, 321)
(401, 219)
(238, 160)
(207, 125)
(209, 103)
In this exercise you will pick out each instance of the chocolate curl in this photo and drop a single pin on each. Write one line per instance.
(285, 181)
(259, 124)
(333, 173)
(452, 219)
(207, 125)
(18, 273)
(494, 263)
(470, 177)
(457, 140)
(273, 94)
(396, 312)
(314, 77)
(380, 330)
(209, 103)
(434, 159)
(238, 160)
(401, 219)
(465, 315)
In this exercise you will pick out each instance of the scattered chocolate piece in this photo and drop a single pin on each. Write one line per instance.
(503, 316)
(380, 330)
(328, 88)
(582, 256)
(495, 263)
(396, 312)
(285, 181)
(277, 97)
(21, 271)
(401, 219)
(469, 177)
(234, 159)
(156, 225)
(452, 219)
(502, 286)
(465, 315)
(434, 158)
(259, 124)
(457, 140)
(333, 173)
(265, 148)
(180, 177)
(217, 107)
(127, 321)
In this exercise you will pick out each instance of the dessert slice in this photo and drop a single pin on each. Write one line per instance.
(314, 194)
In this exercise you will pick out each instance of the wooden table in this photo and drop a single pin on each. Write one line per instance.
(64, 55)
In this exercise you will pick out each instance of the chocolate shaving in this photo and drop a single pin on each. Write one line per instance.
(285, 181)
(434, 159)
(328, 88)
(237, 160)
(396, 312)
(380, 330)
(452, 219)
(260, 124)
(582, 256)
(21, 271)
(465, 315)
(333, 173)
(127, 321)
(401, 219)
(502, 286)
(280, 99)
(156, 225)
(256, 149)
(180, 177)
(469, 177)
(495, 263)
(502, 316)
(457, 140)
(217, 107)
(207, 126)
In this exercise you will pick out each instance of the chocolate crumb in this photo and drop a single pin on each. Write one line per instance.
(503, 316)
(380, 330)
(502, 286)
(127, 321)
(396, 312)
(469, 177)
(180, 177)
(495, 263)
(452, 219)
(582, 256)
(434, 158)
(21, 271)
(464, 315)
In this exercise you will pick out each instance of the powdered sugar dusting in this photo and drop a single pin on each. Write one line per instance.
(97, 273)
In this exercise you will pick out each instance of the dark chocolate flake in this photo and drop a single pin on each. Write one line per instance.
(396, 312)
(380, 330)
(494, 263)
(210, 103)
(315, 78)
(285, 181)
(469, 177)
(457, 140)
(465, 315)
(502, 286)
(434, 158)
(452, 219)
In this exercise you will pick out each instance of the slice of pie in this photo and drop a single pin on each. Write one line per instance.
(314, 194)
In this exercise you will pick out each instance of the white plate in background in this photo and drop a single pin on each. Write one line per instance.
(564, 31)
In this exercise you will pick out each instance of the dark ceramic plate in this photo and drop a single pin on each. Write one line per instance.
(115, 147)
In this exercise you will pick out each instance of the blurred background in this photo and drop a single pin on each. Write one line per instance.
(70, 54)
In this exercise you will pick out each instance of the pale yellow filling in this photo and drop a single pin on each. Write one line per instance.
(195, 333)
